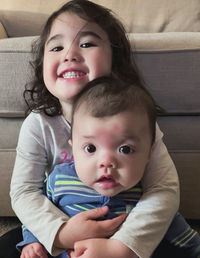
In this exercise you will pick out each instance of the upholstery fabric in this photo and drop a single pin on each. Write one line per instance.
(181, 135)
(15, 71)
(138, 15)
(173, 78)
(156, 15)
(3, 33)
(28, 23)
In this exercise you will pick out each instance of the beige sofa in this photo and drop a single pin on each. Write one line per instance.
(165, 36)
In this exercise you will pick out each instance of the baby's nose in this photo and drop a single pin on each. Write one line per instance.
(107, 161)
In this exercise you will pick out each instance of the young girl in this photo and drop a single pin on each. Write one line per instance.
(80, 42)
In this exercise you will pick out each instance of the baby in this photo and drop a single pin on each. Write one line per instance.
(113, 131)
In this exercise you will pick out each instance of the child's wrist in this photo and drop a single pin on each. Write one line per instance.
(122, 249)
(63, 239)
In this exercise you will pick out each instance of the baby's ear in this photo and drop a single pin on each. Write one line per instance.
(70, 142)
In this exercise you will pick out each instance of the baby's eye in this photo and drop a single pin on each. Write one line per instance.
(90, 148)
(56, 49)
(126, 149)
(87, 45)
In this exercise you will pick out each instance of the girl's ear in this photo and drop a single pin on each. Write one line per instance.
(70, 142)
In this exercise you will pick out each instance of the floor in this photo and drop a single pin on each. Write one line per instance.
(8, 223)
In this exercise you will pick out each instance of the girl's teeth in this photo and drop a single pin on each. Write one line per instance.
(70, 75)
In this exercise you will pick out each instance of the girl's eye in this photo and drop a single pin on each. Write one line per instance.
(125, 149)
(87, 45)
(56, 49)
(90, 148)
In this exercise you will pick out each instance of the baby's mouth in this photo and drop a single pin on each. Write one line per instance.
(105, 178)
(107, 182)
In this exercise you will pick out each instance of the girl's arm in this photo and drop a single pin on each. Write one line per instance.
(100, 247)
(148, 222)
(34, 210)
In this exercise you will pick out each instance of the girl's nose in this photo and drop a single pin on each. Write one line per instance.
(72, 55)
(71, 59)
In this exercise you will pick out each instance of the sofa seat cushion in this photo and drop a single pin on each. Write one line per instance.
(187, 164)
(182, 138)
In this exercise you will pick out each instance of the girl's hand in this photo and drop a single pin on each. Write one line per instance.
(84, 226)
(98, 248)
(34, 250)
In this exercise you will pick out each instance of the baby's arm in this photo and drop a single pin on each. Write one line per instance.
(30, 246)
(149, 220)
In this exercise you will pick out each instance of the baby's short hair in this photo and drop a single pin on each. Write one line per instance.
(107, 96)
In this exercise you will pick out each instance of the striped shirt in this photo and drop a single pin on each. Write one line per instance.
(65, 189)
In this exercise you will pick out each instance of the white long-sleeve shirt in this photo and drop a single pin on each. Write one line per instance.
(43, 143)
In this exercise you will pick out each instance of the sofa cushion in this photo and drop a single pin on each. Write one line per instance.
(7, 159)
(9, 130)
(138, 15)
(188, 170)
(147, 16)
(3, 33)
(15, 55)
(181, 136)
(169, 65)
(20, 23)
(181, 133)
(173, 79)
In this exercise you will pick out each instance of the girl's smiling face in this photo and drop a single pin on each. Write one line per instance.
(76, 52)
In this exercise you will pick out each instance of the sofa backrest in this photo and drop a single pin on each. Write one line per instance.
(25, 18)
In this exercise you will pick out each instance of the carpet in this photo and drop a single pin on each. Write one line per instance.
(8, 223)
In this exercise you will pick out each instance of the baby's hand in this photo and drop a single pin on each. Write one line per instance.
(98, 248)
(34, 250)
(84, 226)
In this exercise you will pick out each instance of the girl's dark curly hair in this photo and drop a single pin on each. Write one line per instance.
(36, 94)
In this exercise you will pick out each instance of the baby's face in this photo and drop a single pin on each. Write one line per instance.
(111, 153)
